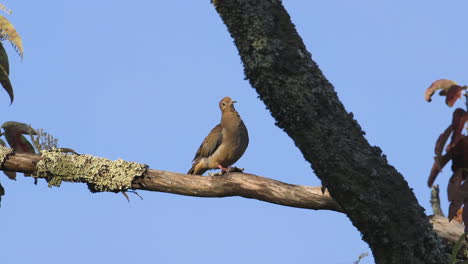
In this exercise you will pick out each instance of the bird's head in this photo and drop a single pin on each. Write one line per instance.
(227, 104)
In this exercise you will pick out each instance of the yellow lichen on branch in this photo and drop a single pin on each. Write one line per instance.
(101, 174)
(4, 152)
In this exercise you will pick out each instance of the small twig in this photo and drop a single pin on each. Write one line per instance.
(435, 201)
(363, 255)
(135, 192)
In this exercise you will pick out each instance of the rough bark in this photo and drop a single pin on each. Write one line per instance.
(230, 184)
(374, 196)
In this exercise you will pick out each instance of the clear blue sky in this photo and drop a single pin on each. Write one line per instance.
(141, 81)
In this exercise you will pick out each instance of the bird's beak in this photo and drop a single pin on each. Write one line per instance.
(234, 102)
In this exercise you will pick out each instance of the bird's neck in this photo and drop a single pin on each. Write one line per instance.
(230, 119)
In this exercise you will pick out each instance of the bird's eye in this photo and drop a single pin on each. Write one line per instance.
(223, 103)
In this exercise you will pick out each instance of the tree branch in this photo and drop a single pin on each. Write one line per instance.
(435, 201)
(303, 102)
(230, 184)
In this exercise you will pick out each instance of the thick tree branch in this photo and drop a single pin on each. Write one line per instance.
(231, 184)
(371, 192)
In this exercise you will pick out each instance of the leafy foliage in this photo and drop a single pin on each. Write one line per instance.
(14, 134)
(456, 150)
(450, 89)
(8, 32)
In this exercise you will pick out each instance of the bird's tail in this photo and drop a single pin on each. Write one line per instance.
(192, 170)
(199, 171)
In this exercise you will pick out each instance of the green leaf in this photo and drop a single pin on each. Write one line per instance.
(5, 72)
(4, 59)
(5, 81)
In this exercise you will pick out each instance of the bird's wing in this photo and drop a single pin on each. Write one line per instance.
(210, 143)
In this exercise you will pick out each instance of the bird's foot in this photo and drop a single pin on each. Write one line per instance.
(225, 170)
(235, 169)
(323, 189)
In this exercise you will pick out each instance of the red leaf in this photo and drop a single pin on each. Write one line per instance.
(459, 216)
(454, 185)
(439, 84)
(465, 216)
(459, 118)
(439, 163)
(459, 154)
(453, 209)
(453, 93)
(462, 192)
(442, 140)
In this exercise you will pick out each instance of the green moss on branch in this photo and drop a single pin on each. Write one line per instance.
(101, 174)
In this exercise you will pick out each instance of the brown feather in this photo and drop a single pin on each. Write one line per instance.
(225, 143)
(210, 143)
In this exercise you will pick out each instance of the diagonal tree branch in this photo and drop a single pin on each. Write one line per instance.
(372, 193)
(231, 184)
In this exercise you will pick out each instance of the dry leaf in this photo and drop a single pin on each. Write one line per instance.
(14, 135)
(8, 32)
(443, 84)
(453, 93)
(439, 163)
(453, 209)
(465, 216)
(453, 186)
(442, 140)
(459, 119)
(459, 216)
(458, 153)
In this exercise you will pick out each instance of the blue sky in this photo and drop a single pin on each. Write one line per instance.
(141, 81)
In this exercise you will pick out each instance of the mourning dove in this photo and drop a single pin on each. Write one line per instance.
(225, 143)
